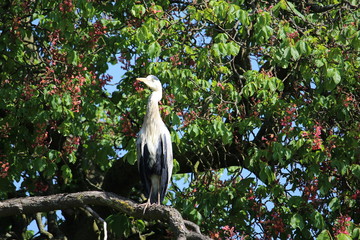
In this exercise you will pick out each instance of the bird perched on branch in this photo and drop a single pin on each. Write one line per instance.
(154, 149)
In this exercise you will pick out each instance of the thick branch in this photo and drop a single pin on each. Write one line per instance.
(36, 204)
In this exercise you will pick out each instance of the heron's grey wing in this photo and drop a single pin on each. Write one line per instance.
(164, 154)
(169, 154)
(143, 158)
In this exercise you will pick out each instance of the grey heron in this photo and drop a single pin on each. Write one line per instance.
(154, 149)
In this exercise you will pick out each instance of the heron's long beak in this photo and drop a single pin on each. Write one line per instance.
(141, 79)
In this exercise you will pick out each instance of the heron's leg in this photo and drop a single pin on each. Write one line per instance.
(158, 198)
(148, 203)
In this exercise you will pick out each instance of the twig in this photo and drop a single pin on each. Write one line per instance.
(41, 226)
(97, 216)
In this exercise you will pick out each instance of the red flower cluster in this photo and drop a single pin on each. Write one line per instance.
(188, 117)
(54, 37)
(356, 195)
(154, 11)
(104, 79)
(138, 87)
(290, 116)
(349, 99)
(71, 144)
(163, 111)
(41, 135)
(28, 91)
(66, 6)
(229, 232)
(341, 225)
(273, 226)
(293, 35)
(269, 139)
(96, 33)
(316, 137)
(5, 130)
(175, 60)
(126, 126)
(310, 190)
(125, 62)
(4, 168)
(170, 99)
(41, 187)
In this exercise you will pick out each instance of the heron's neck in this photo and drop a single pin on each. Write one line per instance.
(152, 111)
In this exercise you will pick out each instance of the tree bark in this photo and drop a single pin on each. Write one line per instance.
(29, 205)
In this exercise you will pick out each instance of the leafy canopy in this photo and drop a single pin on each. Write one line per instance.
(287, 133)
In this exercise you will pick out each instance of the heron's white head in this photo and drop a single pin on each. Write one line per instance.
(152, 82)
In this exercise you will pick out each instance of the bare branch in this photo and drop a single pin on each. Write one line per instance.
(97, 216)
(28, 205)
(41, 226)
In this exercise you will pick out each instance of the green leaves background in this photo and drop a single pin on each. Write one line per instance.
(267, 95)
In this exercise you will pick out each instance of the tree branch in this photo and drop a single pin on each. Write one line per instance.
(28, 205)
(41, 226)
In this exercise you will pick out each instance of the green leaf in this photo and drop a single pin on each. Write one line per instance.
(343, 236)
(50, 169)
(286, 54)
(73, 57)
(143, 33)
(244, 17)
(130, 157)
(319, 62)
(215, 50)
(291, 8)
(154, 50)
(119, 224)
(334, 74)
(272, 84)
(233, 48)
(297, 221)
(294, 53)
(295, 201)
(194, 130)
(72, 157)
(334, 204)
(355, 169)
(355, 233)
(266, 174)
(137, 10)
(318, 220)
(176, 166)
(175, 120)
(324, 235)
(221, 37)
(39, 164)
(302, 47)
(66, 172)
(140, 225)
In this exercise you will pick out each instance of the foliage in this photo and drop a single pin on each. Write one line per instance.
(287, 132)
